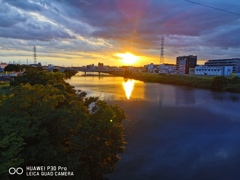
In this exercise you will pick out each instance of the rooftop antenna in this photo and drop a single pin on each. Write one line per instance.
(35, 55)
(162, 50)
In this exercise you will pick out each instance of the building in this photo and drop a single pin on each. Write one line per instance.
(3, 65)
(234, 62)
(100, 65)
(191, 71)
(50, 67)
(214, 70)
(167, 68)
(151, 68)
(184, 63)
(91, 66)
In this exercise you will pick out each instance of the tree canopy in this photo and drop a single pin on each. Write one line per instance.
(44, 121)
(13, 67)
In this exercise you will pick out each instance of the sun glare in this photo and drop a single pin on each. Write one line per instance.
(127, 58)
(128, 87)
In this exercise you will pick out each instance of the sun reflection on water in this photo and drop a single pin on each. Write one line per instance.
(128, 87)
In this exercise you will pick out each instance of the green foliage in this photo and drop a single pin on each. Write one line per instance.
(174, 79)
(39, 68)
(28, 124)
(235, 80)
(10, 146)
(4, 87)
(219, 83)
(109, 144)
(13, 67)
(38, 77)
(33, 76)
(18, 68)
(127, 73)
(55, 70)
(69, 73)
(50, 124)
(234, 84)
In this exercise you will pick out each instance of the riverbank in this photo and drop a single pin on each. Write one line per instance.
(219, 83)
(4, 87)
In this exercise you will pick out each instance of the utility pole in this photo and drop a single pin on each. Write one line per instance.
(162, 50)
(35, 55)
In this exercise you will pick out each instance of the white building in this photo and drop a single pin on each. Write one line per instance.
(214, 70)
(167, 68)
(50, 67)
(235, 62)
(3, 65)
(150, 67)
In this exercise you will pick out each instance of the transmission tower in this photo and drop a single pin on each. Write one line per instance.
(162, 50)
(34, 55)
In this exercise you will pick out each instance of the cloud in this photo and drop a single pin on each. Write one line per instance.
(10, 18)
(225, 37)
(144, 22)
(24, 5)
(21, 24)
(101, 26)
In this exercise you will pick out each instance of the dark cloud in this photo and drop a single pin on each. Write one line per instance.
(144, 21)
(18, 24)
(225, 37)
(34, 31)
(10, 18)
(44, 33)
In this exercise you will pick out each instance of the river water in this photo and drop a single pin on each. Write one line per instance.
(172, 132)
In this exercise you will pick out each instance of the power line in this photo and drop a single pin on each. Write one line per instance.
(213, 7)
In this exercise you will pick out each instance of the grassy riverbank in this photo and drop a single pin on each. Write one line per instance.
(219, 83)
(4, 87)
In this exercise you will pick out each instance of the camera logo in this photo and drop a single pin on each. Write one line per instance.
(13, 170)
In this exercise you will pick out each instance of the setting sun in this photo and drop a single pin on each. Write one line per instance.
(127, 58)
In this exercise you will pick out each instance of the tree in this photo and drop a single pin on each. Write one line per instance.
(13, 67)
(33, 77)
(51, 124)
(55, 70)
(69, 73)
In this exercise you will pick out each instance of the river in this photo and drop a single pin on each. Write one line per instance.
(172, 132)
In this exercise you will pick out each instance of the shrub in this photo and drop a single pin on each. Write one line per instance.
(219, 83)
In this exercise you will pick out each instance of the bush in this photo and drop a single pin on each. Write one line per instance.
(219, 83)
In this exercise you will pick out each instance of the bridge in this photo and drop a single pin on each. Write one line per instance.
(99, 71)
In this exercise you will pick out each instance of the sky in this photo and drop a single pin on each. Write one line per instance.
(82, 32)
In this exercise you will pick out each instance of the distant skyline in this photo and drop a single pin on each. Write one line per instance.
(81, 32)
